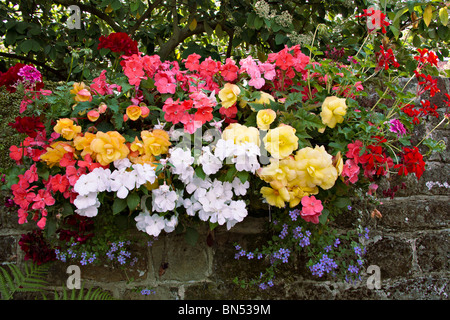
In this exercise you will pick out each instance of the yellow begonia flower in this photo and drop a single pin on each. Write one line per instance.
(228, 95)
(83, 142)
(333, 111)
(56, 152)
(275, 197)
(281, 141)
(156, 142)
(109, 147)
(264, 118)
(282, 177)
(315, 168)
(67, 129)
(241, 134)
(81, 92)
(265, 98)
(134, 112)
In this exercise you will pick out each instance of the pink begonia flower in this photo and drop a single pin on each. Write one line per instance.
(350, 170)
(312, 209)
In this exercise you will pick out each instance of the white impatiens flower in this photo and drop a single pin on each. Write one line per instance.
(209, 162)
(90, 211)
(83, 201)
(103, 179)
(122, 182)
(239, 188)
(85, 184)
(224, 149)
(143, 173)
(164, 199)
(122, 164)
(171, 224)
(246, 157)
(151, 224)
(192, 206)
(182, 161)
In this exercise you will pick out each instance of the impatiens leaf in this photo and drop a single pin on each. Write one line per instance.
(119, 205)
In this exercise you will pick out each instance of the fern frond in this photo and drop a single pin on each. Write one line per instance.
(83, 294)
(32, 279)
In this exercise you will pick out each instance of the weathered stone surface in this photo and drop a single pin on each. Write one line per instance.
(394, 256)
(172, 259)
(7, 249)
(415, 213)
(433, 251)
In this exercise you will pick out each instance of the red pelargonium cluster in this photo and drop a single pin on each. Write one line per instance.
(375, 162)
(412, 162)
(386, 58)
(375, 19)
(119, 42)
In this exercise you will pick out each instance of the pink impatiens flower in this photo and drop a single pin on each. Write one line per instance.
(312, 209)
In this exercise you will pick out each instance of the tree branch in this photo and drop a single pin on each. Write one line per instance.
(145, 16)
(38, 63)
(93, 10)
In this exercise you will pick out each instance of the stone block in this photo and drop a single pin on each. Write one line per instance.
(414, 213)
(8, 249)
(173, 259)
(433, 251)
(394, 257)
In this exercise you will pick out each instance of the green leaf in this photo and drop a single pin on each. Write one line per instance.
(443, 16)
(200, 173)
(133, 201)
(119, 205)
(342, 202)
(324, 216)
(243, 176)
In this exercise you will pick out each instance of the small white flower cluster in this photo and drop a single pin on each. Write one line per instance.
(431, 184)
(125, 178)
(210, 199)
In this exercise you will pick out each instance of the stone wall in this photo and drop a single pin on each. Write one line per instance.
(410, 244)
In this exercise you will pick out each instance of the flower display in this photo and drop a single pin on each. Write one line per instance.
(170, 144)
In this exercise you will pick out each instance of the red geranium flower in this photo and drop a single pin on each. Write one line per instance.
(119, 42)
(29, 125)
